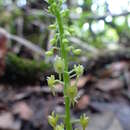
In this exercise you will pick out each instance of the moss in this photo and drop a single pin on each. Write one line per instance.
(24, 70)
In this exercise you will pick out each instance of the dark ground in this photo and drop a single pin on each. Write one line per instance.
(104, 97)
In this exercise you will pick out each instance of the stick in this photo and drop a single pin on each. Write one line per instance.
(83, 45)
(24, 42)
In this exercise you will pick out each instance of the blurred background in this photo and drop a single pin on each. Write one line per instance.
(102, 31)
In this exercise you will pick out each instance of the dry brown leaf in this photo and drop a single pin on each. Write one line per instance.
(7, 122)
(83, 102)
(107, 85)
(82, 81)
(23, 110)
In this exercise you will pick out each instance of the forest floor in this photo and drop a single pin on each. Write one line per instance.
(104, 97)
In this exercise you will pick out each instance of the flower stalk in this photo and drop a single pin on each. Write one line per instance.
(61, 64)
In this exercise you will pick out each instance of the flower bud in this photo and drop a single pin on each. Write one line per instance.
(65, 41)
(78, 70)
(53, 41)
(49, 53)
(50, 1)
(67, 33)
(65, 13)
(59, 65)
(77, 51)
(53, 119)
(49, 9)
(69, 48)
(84, 121)
(52, 27)
(71, 30)
(60, 2)
(53, 7)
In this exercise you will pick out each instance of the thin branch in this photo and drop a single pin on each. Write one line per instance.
(103, 17)
(96, 18)
(85, 46)
(24, 42)
(37, 12)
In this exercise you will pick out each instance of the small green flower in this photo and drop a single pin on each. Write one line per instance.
(51, 80)
(78, 70)
(49, 53)
(77, 51)
(84, 121)
(60, 127)
(53, 119)
(59, 65)
(72, 92)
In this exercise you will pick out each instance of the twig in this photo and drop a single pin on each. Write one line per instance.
(36, 12)
(92, 18)
(33, 91)
(103, 17)
(24, 42)
(83, 45)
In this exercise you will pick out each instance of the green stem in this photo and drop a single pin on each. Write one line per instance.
(71, 71)
(60, 78)
(66, 78)
(59, 81)
(72, 76)
(75, 121)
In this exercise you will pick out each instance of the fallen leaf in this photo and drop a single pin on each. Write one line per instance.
(23, 110)
(107, 85)
(7, 122)
(82, 81)
(105, 121)
(83, 102)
